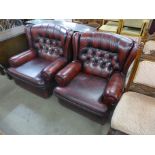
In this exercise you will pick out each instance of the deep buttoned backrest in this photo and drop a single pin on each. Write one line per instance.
(102, 53)
(50, 41)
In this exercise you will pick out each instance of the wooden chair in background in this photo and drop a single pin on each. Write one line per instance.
(134, 27)
(112, 26)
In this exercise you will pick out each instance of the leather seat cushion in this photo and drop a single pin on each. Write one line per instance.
(30, 72)
(85, 91)
(135, 114)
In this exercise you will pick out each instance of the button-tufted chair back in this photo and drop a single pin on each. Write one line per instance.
(103, 53)
(50, 41)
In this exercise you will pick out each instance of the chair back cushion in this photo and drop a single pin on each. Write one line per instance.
(101, 53)
(49, 41)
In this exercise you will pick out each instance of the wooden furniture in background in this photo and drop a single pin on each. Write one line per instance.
(133, 27)
(12, 42)
(135, 66)
(144, 56)
(139, 100)
(96, 23)
(113, 26)
(149, 51)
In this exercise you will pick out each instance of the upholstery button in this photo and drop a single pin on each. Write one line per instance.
(44, 47)
(92, 59)
(47, 41)
(105, 60)
(83, 56)
(98, 53)
(96, 58)
(56, 51)
(115, 58)
(108, 64)
(102, 64)
(52, 49)
(100, 61)
(41, 40)
(54, 43)
(106, 55)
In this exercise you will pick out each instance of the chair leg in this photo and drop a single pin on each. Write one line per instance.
(9, 77)
(2, 71)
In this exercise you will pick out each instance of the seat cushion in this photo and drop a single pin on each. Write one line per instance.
(109, 28)
(131, 31)
(145, 74)
(149, 47)
(135, 114)
(85, 91)
(30, 72)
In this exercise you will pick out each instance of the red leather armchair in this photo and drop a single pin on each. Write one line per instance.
(50, 50)
(95, 79)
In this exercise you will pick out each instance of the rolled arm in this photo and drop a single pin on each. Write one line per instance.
(68, 73)
(114, 89)
(50, 71)
(22, 58)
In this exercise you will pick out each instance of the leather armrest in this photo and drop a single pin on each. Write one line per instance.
(68, 73)
(22, 58)
(114, 89)
(49, 72)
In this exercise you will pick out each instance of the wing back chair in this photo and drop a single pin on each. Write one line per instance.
(94, 81)
(49, 51)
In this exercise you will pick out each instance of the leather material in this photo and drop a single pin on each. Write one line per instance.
(30, 72)
(85, 91)
(50, 71)
(102, 53)
(50, 50)
(114, 89)
(44, 91)
(99, 62)
(51, 41)
(130, 58)
(68, 73)
(105, 59)
(28, 35)
(22, 58)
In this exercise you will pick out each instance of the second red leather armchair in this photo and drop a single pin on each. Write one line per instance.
(94, 81)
